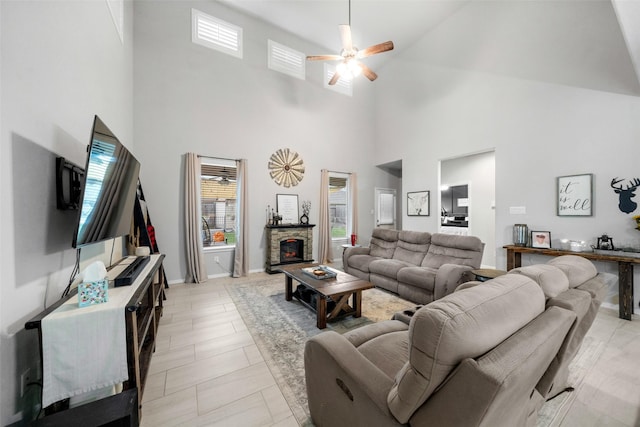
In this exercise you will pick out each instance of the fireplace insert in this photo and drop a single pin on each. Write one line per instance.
(291, 250)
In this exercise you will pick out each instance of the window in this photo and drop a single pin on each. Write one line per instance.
(216, 34)
(218, 201)
(286, 60)
(339, 209)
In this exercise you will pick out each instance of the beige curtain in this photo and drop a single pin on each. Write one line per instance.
(353, 192)
(324, 226)
(196, 269)
(241, 260)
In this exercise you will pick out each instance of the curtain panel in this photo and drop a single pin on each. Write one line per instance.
(324, 227)
(196, 269)
(241, 257)
(353, 192)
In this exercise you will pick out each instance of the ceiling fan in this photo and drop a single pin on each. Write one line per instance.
(349, 55)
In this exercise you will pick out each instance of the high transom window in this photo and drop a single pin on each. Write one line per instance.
(214, 33)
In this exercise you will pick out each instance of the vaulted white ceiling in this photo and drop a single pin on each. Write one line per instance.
(593, 44)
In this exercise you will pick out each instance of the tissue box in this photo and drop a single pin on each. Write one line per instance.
(90, 293)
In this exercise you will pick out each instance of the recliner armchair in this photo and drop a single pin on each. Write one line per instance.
(472, 358)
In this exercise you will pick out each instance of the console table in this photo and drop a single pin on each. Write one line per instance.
(625, 270)
(141, 311)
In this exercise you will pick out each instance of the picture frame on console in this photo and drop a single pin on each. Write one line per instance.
(287, 208)
(541, 239)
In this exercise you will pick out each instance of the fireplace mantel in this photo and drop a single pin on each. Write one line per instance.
(278, 233)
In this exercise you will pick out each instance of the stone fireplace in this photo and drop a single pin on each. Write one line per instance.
(288, 244)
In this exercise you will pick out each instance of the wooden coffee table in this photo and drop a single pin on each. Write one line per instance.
(319, 294)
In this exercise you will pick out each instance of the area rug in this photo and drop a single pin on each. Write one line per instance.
(281, 328)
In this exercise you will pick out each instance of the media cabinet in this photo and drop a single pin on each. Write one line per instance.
(141, 314)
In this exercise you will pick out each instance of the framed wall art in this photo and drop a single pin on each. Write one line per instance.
(541, 239)
(575, 195)
(418, 203)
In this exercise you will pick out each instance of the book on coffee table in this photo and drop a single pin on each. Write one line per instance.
(320, 272)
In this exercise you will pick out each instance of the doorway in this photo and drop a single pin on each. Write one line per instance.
(477, 209)
(385, 202)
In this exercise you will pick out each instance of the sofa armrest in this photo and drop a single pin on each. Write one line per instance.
(448, 277)
(329, 358)
(353, 250)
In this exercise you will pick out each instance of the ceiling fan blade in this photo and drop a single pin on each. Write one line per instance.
(324, 58)
(345, 36)
(368, 72)
(378, 48)
(334, 79)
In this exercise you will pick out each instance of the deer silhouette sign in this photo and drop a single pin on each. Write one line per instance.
(625, 195)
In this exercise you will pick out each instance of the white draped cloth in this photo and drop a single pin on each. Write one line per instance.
(85, 349)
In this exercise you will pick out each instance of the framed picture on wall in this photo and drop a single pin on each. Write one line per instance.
(575, 195)
(418, 203)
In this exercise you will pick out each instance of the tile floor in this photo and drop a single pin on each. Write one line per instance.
(207, 370)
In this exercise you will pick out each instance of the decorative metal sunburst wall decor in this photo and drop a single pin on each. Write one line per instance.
(286, 167)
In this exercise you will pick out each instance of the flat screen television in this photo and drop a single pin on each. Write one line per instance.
(109, 189)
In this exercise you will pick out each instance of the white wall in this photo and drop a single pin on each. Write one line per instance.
(192, 99)
(539, 131)
(62, 62)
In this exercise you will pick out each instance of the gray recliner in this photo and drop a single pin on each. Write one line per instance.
(472, 358)
(573, 283)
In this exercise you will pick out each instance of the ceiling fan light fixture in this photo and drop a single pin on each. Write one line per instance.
(343, 70)
(350, 67)
(354, 68)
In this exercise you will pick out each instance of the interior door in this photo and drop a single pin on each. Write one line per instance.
(385, 200)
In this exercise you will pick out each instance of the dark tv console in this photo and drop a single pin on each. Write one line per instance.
(141, 314)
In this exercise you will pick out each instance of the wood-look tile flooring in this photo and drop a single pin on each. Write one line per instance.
(207, 370)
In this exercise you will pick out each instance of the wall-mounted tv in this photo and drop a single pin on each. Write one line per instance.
(108, 190)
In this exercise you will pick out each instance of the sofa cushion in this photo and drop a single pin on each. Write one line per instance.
(362, 262)
(551, 279)
(598, 286)
(387, 267)
(412, 246)
(389, 352)
(421, 277)
(453, 249)
(464, 324)
(359, 336)
(577, 269)
(383, 242)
